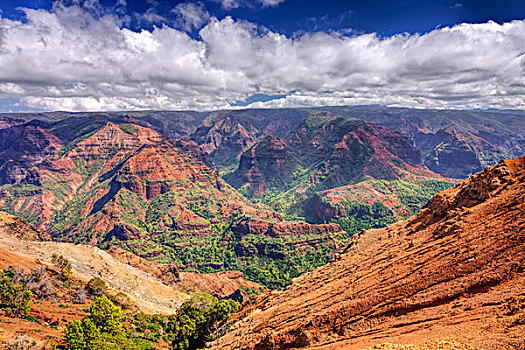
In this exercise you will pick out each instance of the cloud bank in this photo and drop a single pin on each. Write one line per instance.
(69, 59)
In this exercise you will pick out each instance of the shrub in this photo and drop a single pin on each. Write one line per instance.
(96, 286)
(121, 299)
(106, 316)
(14, 298)
(63, 265)
(82, 335)
(42, 288)
(103, 329)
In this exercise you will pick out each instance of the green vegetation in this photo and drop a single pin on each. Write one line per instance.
(190, 222)
(104, 328)
(18, 288)
(361, 216)
(199, 320)
(14, 298)
(411, 195)
(129, 128)
(96, 286)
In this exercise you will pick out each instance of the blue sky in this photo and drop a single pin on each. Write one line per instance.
(158, 54)
(292, 16)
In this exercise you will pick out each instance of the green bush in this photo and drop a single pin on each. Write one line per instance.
(82, 335)
(13, 297)
(96, 286)
(106, 316)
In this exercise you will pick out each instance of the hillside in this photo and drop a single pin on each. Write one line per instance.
(333, 168)
(452, 272)
(142, 288)
(477, 138)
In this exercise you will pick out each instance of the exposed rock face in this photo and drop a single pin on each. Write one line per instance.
(328, 152)
(226, 135)
(297, 228)
(148, 292)
(116, 167)
(225, 139)
(453, 143)
(451, 147)
(121, 183)
(194, 151)
(270, 163)
(454, 271)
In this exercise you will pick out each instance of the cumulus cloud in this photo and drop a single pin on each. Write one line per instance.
(70, 59)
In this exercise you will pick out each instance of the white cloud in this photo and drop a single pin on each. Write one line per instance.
(72, 59)
(232, 4)
(191, 15)
(270, 3)
(229, 4)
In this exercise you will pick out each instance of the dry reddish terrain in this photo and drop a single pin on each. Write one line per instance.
(454, 272)
(13, 226)
(221, 284)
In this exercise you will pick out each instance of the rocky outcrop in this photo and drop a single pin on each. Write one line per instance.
(225, 135)
(454, 271)
(119, 182)
(13, 226)
(458, 154)
(225, 139)
(109, 175)
(268, 164)
(148, 292)
(194, 151)
(325, 152)
(275, 229)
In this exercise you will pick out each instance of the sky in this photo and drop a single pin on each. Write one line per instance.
(95, 55)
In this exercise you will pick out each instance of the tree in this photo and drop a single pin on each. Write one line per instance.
(83, 335)
(106, 316)
(103, 329)
(199, 320)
